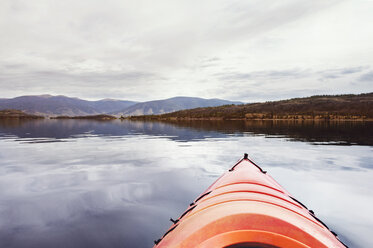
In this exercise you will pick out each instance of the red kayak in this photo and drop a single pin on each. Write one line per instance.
(246, 207)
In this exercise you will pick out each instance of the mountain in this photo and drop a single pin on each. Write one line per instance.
(61, 105)
(111, 105)
(49, 105)
(170, 105)
(325, 107)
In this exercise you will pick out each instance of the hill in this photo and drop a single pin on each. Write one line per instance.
(170, 105)
(88, 117)
(314, 107)
(61, 105)
(48, 105)
(17, 114)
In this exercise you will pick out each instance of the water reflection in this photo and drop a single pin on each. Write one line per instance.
(321, 133)
(73, 210)
(79, 183)
(317, 132)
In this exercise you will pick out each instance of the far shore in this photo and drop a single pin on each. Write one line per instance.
(146, 118)
(17, 114)
(174, 119)
(86, 117)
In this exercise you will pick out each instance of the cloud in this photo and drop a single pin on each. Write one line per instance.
(281, 84)
(150, 50)
(287, 74)
(82, 84)
(352, 70)
(367, 77)
(337, 73)
(256, 75)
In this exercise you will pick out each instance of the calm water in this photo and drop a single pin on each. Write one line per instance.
(73, 183)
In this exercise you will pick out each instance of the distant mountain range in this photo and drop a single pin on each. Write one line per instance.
(170, 105)
(321, 107)
(62, 105)
(48, 105)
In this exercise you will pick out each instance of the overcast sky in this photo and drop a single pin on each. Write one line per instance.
(249, 50)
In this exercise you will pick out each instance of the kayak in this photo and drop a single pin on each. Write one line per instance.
(246, 207)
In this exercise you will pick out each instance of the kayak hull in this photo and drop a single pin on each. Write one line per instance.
(246, 207)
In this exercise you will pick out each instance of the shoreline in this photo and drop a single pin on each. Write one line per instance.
(19, 115)
(133, 118)
(102, 117)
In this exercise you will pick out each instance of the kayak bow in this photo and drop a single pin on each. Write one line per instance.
(246, 207)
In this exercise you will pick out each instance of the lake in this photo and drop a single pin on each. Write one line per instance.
(81, 183)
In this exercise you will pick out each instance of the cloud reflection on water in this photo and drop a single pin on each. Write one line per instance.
(116, 184)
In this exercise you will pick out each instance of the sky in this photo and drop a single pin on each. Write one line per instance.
(246, 50)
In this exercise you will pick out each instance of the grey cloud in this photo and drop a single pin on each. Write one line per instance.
(13, 66)
(208, 62)
(331, 76)
(234, 76)
(213, 59)
(367, 77)
(49, 76)
(352, 70)
(287, 74)
(248, 18)
(237, 76)
(18, 78)
(118, 30)
(250, 93)
(281, 84)
(149, 50)
(337, 73)
(129, 77)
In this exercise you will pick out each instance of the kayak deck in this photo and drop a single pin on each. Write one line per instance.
(246, 207)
